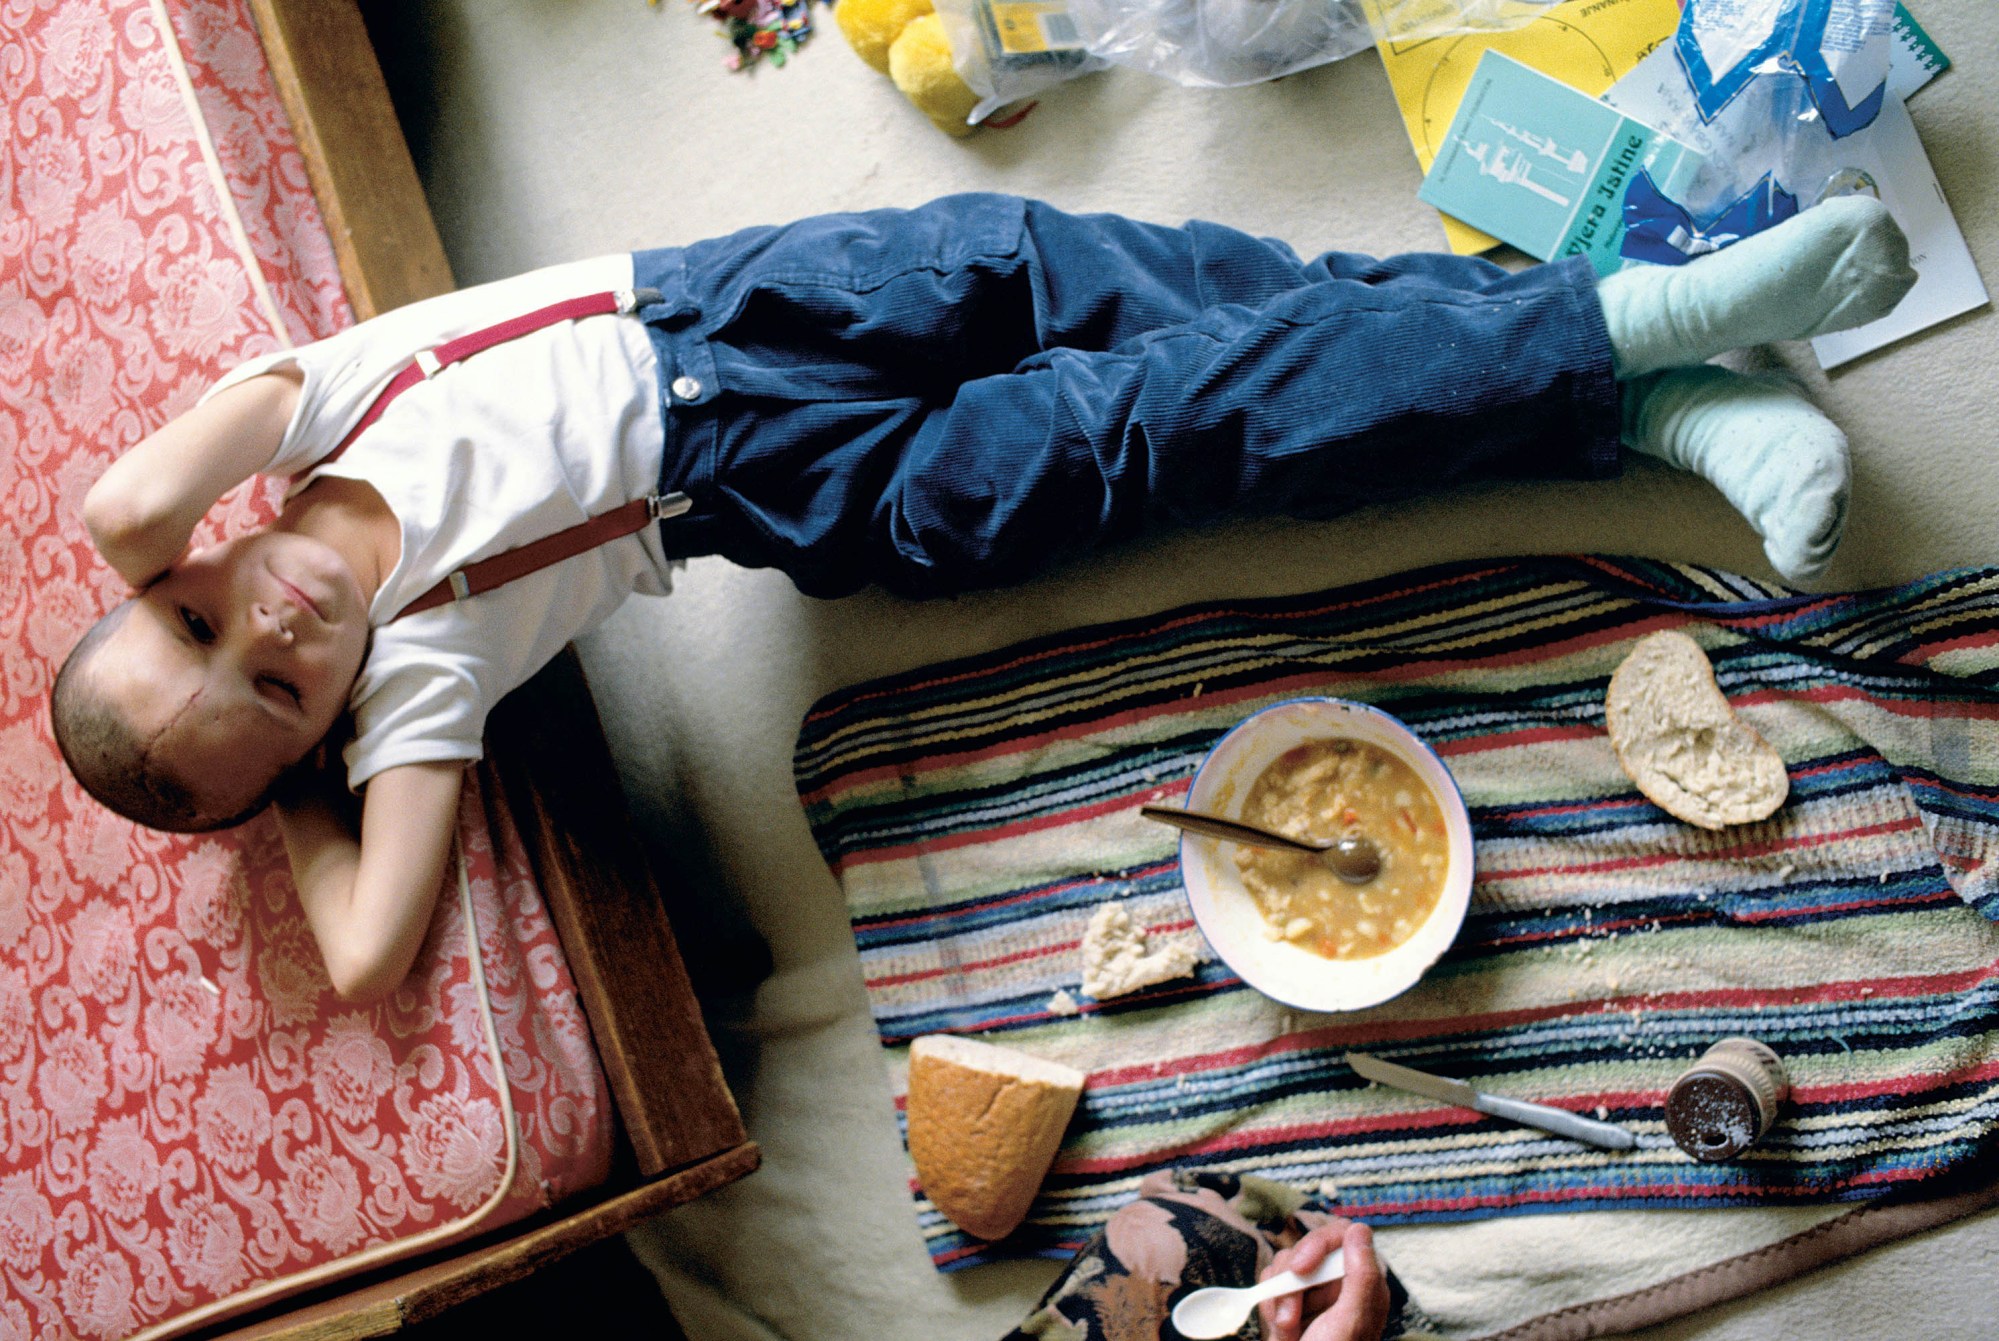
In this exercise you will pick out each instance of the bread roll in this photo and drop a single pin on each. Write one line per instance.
(1682, 744)
(984, 1124)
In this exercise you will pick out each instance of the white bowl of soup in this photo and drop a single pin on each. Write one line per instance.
(1285, 922)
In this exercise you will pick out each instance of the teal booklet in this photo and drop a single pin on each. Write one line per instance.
(1545, 166)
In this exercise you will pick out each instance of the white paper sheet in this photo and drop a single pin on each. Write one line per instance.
(1891, 153)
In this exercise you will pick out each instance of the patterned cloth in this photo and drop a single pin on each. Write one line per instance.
(188, 1116)
(1189, 1229)
(978, 813)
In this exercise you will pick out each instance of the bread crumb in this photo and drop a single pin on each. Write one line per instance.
(1884, 877)
(1602, 1113)
(1786, 871)
(1328, 1189)
(1118, 958)
(1062, 1003)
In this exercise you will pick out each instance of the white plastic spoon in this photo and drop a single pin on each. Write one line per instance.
(1220, 1310)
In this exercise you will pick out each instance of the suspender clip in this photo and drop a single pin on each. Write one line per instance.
(428, 362)
(461, 590)
(631, 300)
(661, 506)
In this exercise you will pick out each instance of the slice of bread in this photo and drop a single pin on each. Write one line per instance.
(1677, 737)
(984, 1125)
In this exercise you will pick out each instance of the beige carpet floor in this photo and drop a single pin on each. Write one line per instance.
(551, 129)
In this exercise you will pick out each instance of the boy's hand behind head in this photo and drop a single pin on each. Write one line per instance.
(184, 707)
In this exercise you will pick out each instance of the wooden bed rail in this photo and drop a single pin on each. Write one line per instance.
(681, 1133)
(384, 238)
(545, 741)
(549, 754)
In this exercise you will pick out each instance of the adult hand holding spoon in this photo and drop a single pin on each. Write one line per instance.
(1220, 1310)
(1354, 1308)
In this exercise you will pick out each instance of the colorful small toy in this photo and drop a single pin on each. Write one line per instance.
(759, 29)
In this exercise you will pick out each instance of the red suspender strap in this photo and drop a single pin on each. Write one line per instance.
(428, 363)
(500, 569)
(503, 568)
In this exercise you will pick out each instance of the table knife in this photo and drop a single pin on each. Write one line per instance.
(1605, 1135)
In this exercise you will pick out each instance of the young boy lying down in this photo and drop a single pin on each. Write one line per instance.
(934, 399)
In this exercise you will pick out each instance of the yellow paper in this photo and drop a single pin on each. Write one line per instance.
(1587, 44)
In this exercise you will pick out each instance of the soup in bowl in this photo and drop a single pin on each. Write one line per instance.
(1286, 922)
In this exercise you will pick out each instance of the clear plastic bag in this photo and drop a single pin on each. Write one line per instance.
(1224, 43)
(1008, 50)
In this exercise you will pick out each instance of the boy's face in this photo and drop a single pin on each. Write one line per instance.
(236, 661)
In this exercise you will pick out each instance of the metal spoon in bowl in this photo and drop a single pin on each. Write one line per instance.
(1353, 858)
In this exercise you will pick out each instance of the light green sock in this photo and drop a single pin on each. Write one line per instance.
(1779, 461)
(1838, 265)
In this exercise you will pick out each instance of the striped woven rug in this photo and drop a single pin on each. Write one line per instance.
(976, 814)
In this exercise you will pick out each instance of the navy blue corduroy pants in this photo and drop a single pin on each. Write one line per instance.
(953, 396)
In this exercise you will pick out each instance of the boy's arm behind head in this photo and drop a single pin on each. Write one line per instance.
(369, 903)
(143, 509)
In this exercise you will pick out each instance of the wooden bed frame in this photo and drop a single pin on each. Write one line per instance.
(680, 1133)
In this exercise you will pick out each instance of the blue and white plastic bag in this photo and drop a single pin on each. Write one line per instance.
(1766, 90)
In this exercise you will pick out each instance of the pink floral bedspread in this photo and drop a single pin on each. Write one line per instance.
(190, 1121)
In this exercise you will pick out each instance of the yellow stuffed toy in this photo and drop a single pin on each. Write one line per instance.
(904, 39)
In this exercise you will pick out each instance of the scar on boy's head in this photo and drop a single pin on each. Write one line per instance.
(116, 764)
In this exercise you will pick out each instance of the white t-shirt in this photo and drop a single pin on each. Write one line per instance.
(515, 443)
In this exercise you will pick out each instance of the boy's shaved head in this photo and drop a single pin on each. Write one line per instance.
(184, 707)
(121, 766)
